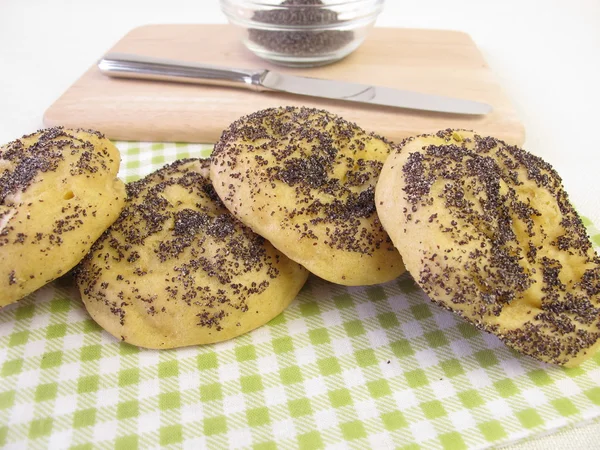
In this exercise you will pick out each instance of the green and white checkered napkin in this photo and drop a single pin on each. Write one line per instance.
(365, 367)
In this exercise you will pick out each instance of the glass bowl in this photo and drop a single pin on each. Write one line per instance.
(302, 33)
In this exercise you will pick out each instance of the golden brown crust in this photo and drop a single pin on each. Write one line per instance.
(177, 269)
(305, 179)
(488, 231)
(58, 192)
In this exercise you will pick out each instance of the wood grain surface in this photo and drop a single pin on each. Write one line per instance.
(431, 61)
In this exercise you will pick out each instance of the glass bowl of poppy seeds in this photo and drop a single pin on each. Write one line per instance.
(302, 33)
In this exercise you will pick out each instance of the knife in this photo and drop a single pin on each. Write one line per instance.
(123, 65)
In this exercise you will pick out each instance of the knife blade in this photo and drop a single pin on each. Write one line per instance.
(123, 65)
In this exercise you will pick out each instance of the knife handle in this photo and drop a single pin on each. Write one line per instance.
(124, 65)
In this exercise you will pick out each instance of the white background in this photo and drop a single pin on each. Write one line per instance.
(546, 55)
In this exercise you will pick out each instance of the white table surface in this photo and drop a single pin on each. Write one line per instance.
(546, 56)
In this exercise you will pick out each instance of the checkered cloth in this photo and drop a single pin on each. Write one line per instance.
(363, 367)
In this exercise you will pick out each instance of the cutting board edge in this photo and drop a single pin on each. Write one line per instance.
(515, 137)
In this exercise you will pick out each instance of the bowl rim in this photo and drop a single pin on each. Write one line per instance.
(262, 3)
(363, 13)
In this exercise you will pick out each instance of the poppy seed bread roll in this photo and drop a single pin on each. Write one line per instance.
(176, 269)
(487, 230)
(305, 180)
(59, 191)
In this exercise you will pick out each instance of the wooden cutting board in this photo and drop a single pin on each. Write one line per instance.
(432, 61)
